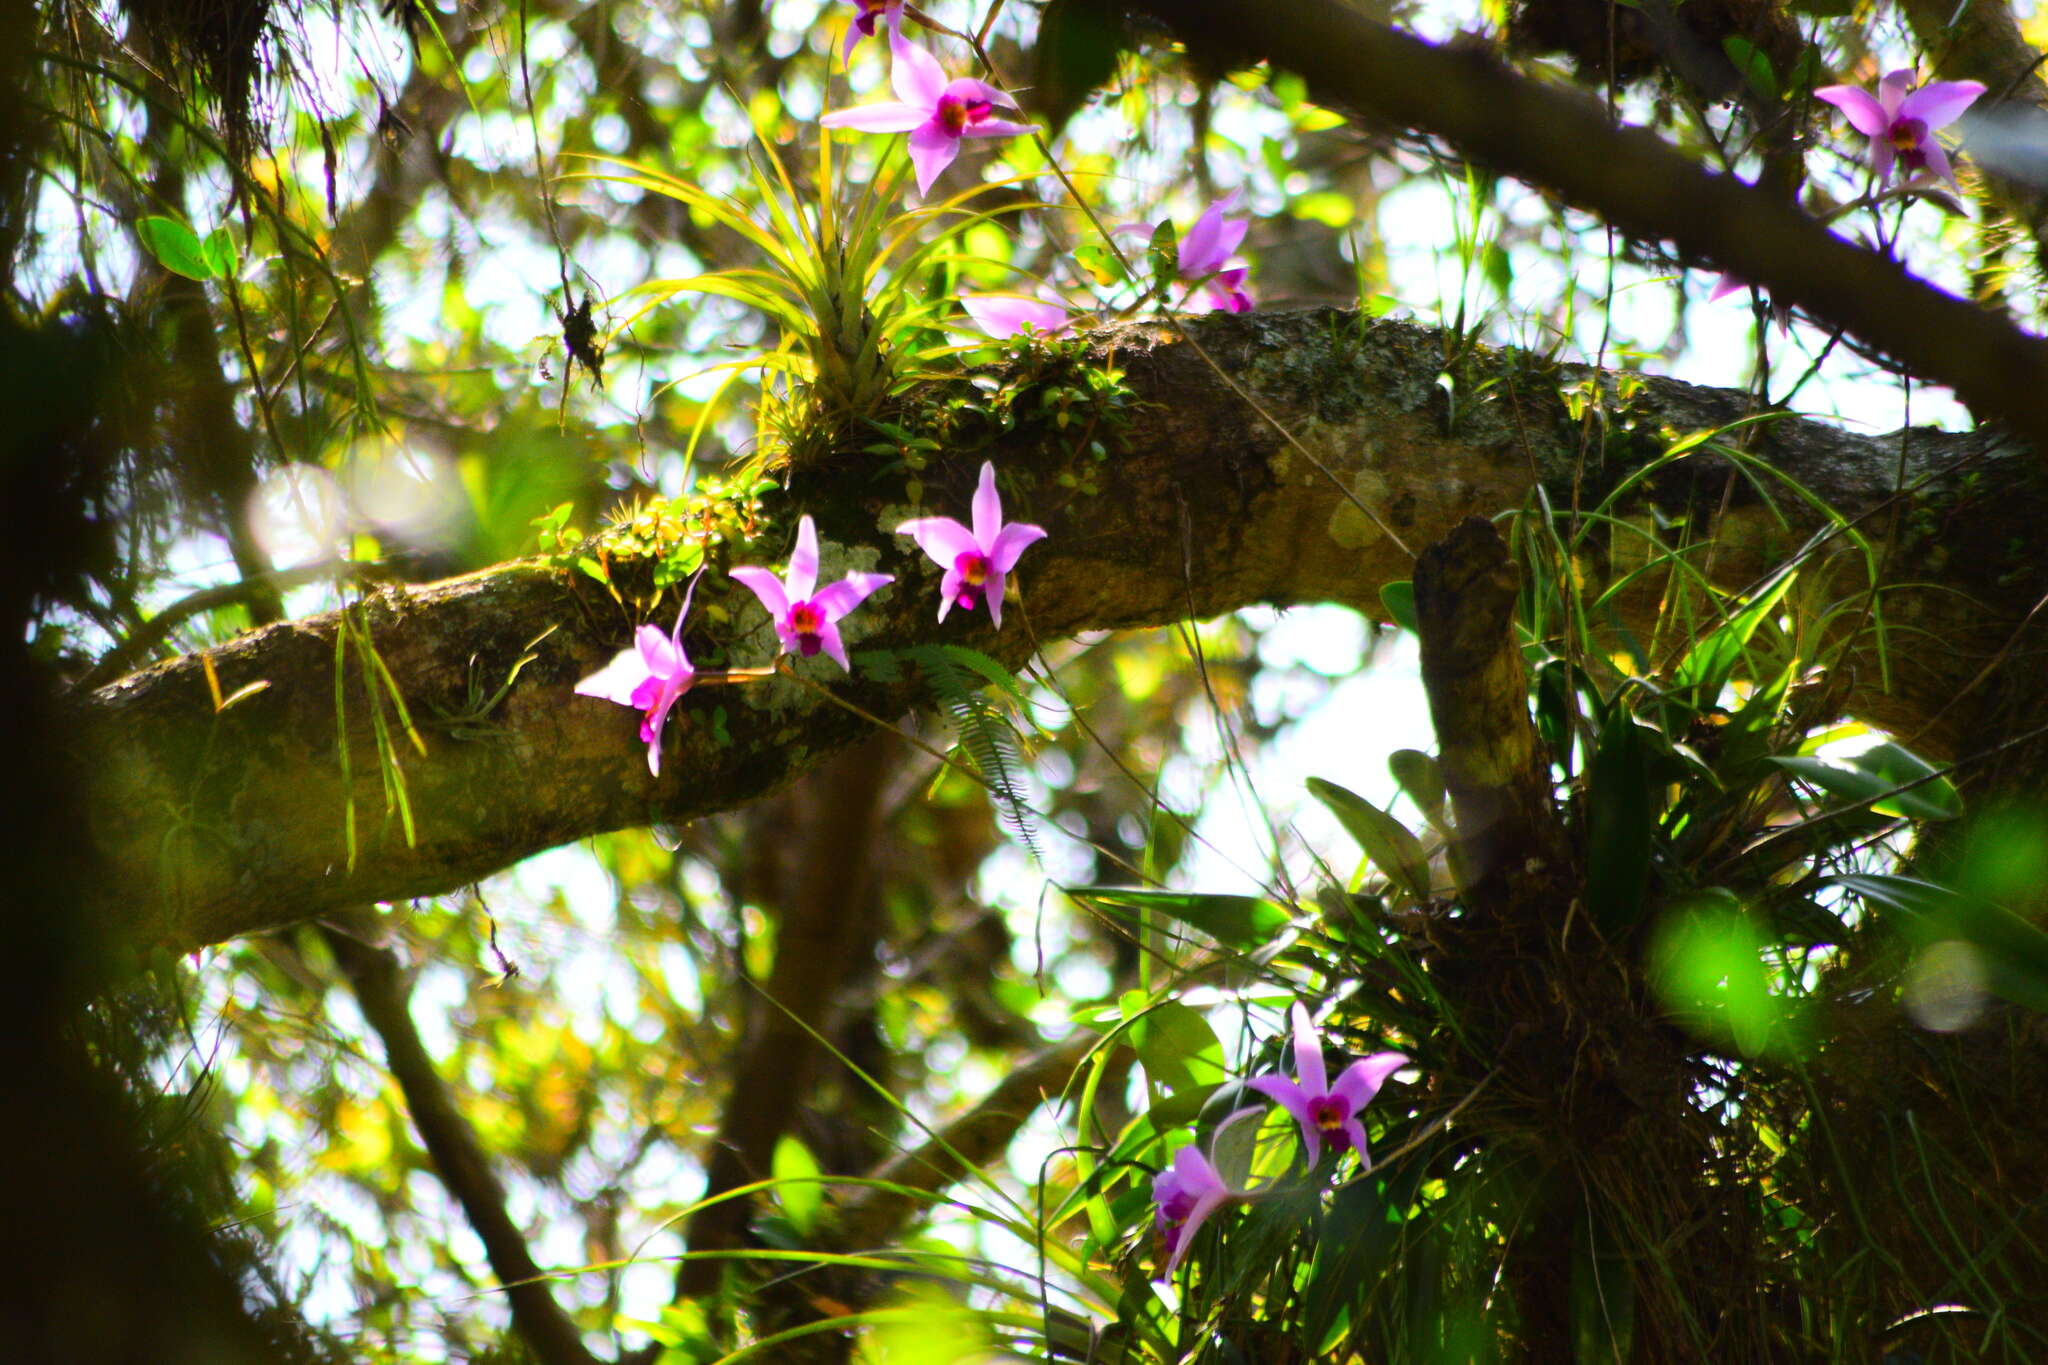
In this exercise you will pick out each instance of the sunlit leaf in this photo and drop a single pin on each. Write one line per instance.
(1395, 851)
(176, 247)
(1245, 923)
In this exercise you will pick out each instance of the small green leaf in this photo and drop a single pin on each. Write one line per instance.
(1754, 66)
(1422, 779)
(1709, 968)
(1498, 268)
(1874, 775)
(2014, 952)
(1708, 664)
(1621, 824)
(220, 254)
(1104, 265)
(802, 1195)
(1164, 251)
(1244, 923)
(175, 246)
(1935, 798)
(1392, 848)
(1178, 1048)
(1399, 600)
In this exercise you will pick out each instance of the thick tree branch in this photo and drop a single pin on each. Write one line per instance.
(212, 825)
(1511, 844)
(1566, 143)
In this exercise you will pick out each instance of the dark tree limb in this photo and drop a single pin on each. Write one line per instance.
(1509, 839)
(212, 825)
(822, 927)
(1565, 142)
(381, 991)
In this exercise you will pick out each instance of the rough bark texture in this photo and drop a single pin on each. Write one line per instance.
(1495, 770)
(212, 825)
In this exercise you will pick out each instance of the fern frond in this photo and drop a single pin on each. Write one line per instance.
(981, 727)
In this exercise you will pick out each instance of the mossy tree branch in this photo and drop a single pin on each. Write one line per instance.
(212, 825)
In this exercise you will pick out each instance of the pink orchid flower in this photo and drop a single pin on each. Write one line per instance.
(1205, 257)
(1900, 125)
(806, 621)
(1185, 1194)
(936, 112)
(976, 561)
(1325, 1111)
(1005, 315)
(863, 24)
(649, 677)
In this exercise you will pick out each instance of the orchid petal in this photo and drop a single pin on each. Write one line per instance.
(1011, 542)
(663, 656)
(803, 562)
(1355, 1131)
(1892, 88)
(1725, 286)
(1308, 1054)
(949, 591)
(943, 538)
(884, 117)
(1363, 1079)
(932, 149)
(1940, 103)
(617, 680)
(1185, 1234)
(1937, 160)
(966, 88)
(1882, 155)
(1865, 114)
(1005, 315)
(766, 586)
(997, 127)
(1211, 240)
(1228, 291)
(992, 589)
(650, 728)
(839, 598)
(988, 509)
(646, 697)
(916, 74)
(833, 645)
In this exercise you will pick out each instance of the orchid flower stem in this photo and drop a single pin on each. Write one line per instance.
(733, 677)
(988, 23)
